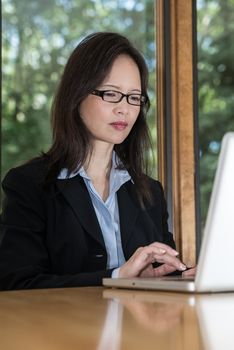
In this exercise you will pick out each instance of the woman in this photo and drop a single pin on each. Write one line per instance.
(86, 209)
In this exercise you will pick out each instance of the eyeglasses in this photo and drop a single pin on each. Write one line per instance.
(116, 96)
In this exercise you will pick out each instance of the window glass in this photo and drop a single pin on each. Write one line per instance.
(38, 37)
(215, 33)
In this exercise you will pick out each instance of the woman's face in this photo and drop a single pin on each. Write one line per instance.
(111, 122)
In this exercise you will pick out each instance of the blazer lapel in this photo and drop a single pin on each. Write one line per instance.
(76, 194)
(128, 211)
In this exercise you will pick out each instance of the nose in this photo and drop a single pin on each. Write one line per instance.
(122, 107)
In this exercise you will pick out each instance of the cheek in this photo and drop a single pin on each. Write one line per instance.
(90, 110)
(134, 120)
(135, 115)
(84, 109)
(86, 112)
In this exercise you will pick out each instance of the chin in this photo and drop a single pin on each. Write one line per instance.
(113, 139)
(119, 141)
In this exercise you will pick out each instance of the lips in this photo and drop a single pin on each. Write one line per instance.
(120, 125)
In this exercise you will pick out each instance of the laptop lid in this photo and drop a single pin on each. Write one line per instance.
(215, 266)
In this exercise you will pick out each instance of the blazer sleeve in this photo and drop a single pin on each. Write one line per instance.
(159, 206)
(24, 256)
(167, 235)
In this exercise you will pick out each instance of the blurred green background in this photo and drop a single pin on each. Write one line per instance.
(39, 35)
(215, 44)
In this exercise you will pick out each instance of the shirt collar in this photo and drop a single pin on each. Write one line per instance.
(114, 170)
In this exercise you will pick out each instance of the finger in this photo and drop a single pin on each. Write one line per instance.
(145, 255)
(155, 252)
(163, 270)
(142, 258)
(144, 252)
(190, 272)
(170, 260)
(166, 247)
(147, 272)
(152, 249)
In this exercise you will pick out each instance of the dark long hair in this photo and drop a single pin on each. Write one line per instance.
(85, 70)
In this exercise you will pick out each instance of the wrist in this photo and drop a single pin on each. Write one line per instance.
(120, 274)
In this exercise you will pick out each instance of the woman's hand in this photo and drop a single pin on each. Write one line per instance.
(140, 263)
(191, 272)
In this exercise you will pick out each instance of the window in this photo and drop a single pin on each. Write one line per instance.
(38, 37)
(215, 33)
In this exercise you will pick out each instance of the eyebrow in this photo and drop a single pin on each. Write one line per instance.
(118, 88)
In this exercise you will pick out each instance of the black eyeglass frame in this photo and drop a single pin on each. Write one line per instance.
(101, 93)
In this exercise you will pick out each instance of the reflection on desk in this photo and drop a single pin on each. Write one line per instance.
(112, 319)
(192, 321)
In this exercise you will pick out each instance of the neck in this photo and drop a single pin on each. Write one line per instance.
(99, 162)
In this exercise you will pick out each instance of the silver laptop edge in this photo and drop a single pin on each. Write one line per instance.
(149, 284)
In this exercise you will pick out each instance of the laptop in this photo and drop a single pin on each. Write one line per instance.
(215, 269)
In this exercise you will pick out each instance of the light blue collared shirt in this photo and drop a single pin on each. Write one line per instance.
(107, 212)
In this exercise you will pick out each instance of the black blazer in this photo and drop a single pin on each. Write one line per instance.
(52, 238)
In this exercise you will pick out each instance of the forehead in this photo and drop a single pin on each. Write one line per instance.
(124, 71)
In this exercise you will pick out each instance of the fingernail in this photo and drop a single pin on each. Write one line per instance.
(182, 267)
(162, 251)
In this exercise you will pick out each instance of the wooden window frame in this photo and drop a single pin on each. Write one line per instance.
(176, 119)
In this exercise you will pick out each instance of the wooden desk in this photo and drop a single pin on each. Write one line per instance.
(111, 319)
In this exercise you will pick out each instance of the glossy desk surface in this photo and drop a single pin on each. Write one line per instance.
(111, 319)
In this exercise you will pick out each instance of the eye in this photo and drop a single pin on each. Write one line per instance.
(135, 98)
(110, 93)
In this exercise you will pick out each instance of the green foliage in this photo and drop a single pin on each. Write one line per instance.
(216, 86)
(38, 37)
